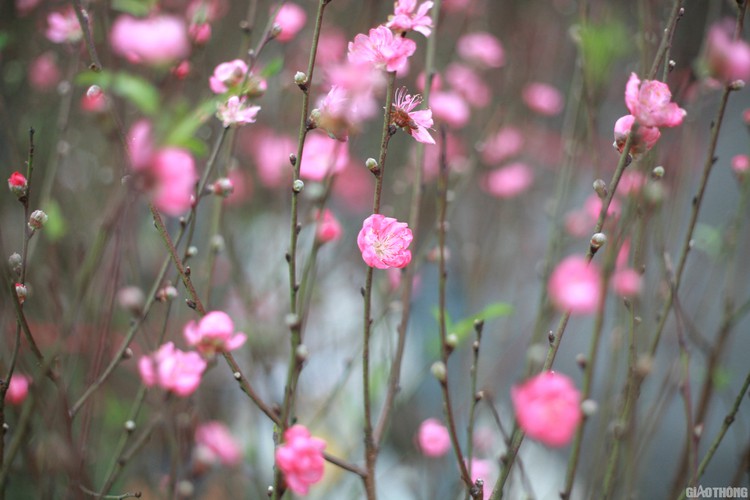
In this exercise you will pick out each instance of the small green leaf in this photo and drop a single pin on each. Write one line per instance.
(721, 377)
(707, 239)
(56, 227)
(138, 8)
(138, 91)
(4, 39)
(182, 130)
(601, 46)
(273, 67)
(464, 327)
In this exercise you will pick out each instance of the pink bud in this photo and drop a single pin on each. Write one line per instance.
(18, 389)
(328, 228)
(433, 438)
(18, 184)
(21, 292)
(300, 459)
(740, 166)
(574, 286)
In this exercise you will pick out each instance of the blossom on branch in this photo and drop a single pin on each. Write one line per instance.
(237, 112)
(171, 369)
(650, 102)
(213, 333)
(405, 18)
(414, 123)
(381, 49)
(300, 459)
(384, 242)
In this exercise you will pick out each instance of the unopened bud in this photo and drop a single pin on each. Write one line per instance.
(372, 166)
(601, 188)
(589, 407)
(300, 78)
(737, 85)
(451, 341)
(672, 64)
(37, 220)
(129, 426)
(301, 353)
(185, 488)
(653, 193)
(15, 261)
(644, 365)
(18, 184)
(217, 243)
(127, 353)
(237, 375)
(598, 240)
(222, 187)
(192, 251)
(657, 172)
(298, 186)
(131, 299)
(698, 430)
(581, 360)
(439, 371)
(167, 293)
(21, 292)
(275, 30)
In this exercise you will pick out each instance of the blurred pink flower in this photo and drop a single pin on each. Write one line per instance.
(384, 242)
(18, 389)
(631, 182)
(140, 145)
(331, 46)
(543, 99)
(649, 102)
(227, 75)
(507, 142)
(450, 108)
(333, 114)
(437, 82)
(236, 112)
(574, 286)
(354, 187)
(172, 369)
(643, 141)
(154, 41)
(728, 59)
(509, 181)
(291, 18)
(213, 333)
(199, 33)
(323, 156)
(358, 83)
(593, 207)
(327, 228)
(484, 470)
(433, 438)
(405, 19)
(469, 84)
(414, 123)
(548, 408)
(173, 170)
(44, 74)
(481, 48)
(455, 155)
(63, 26)
(300, 459)
(626, 282)
(24, 7)
(215, 444)
(740, 165)
(381, 49)
(270, 153)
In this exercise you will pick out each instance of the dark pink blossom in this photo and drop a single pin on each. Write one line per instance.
(643, 140)
(414, 123)
(650, 102)
(18, 389)
(728, 60)
(574, 286)
(433, 438)
(300, 459)
(381, 49)
(328, 227)
(174, 172)
(384, 242)
(172, 369)
(213, 333)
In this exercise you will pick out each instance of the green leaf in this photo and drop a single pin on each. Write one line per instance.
(138, 91)
(721, 377)
(707, 239)
(4, 39)
(138, 8)
(601, 45)
(56, 226)
(273, 67)
(463, 328)
(182, 130)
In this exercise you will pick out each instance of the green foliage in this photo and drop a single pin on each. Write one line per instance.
(56, 226)
(463, 328)
(138, 8)
(4, 39)
(184, 123)
(601, 46)
(131, 87)
(272, 68)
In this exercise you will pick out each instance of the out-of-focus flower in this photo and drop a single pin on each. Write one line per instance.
(18, 389)
(450, 108)
(384, 242)
(173, 170)
(728, 60)
(405, 18)
(631, 182)
(214, 444)
(574, 286)
(414, 123)
(644, 139)
(213, 333)
(433, 438)
(509, 181)
(548, 408)
(543, 99)
(140, 145)
(18, 184)
(227, 75)
(94, 100)
(199, 33)
(182, 70)
(154, 41)
(236, 112)
(469, 84)
(63, 26)
(44, 74)
(300, 459)
(650, 102)
(626, 282)
(507, 142)
(481, 48)
(223, 187)
(740, 166)
(172, 369)
(484, 470)
(270, 152)
(24, 7)
(322, 156)
(291, 18)
(381, 49)
(359, 83)
(328, 227)
(333, 114)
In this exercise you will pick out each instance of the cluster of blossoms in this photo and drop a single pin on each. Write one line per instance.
(300, 459)
(234, 80)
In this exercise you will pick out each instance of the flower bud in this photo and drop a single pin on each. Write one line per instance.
(275, 30)
(301, 353)
(372, 166)
(37, 220)
(439, 371)
(217, 243)
(129, 426)
(15, 261)
(222, 187)
(737, 85)
(300, 78)
(298, 186)
(18, 184)
(132, 299)
(167, 293)
(657, 172)
(598, 240)
(589, 407)
(21, 292)
(601, 188)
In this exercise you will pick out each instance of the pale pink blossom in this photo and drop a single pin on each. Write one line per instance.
(405, 18)
(199, 33)
(172, 369)
(270, 152)
(291, 18)
(381, 49)
(507, 142)
(154, 41)
(384, 242)
(548, 408)
(450, 108)
(358, 84)
(44, 74)
(574, 286)
(469, 84)
(740, 165)
(433, 438)
(227, 75)
(300, 459)
(509, 181)
(727, 59)
(237, 112)
(63, 26)
(650, 102)
(481, 48)
(174, 172)
(331, 46)
(140, 145)
(18, 389)
(626, 282)
(214, 444)
(213, 333)
(322, 157)
(644, 139)
(543, 98)
(334, 114)
(328, 227)
(414, 123)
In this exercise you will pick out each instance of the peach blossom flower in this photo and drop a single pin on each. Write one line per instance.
(300, 459)
(291, 18)
(270, 152)
(227, 75)
(18, 389)
(215, 444)
(728, 59)
(414, 123)
(172, 369)
(334, 114)
(543, 99)
(450, 108)
(328, 227)
(509, 181)
(626, 282)
(323, 156)
(63, 26)
(94, 100)
(199, 33)
(740, 165)
(507, 142)
(650, 102)
(384, 242)
(140, 145)
(469, 84)
(381, 49)
(44, 74)
(236, 112)
(484, 470)
(548, 408)
(433, 438)
(155, 41)
(574, 286)
(174, 172)
(405, 19)
(644, 139)
(482, 49)
(213, 333)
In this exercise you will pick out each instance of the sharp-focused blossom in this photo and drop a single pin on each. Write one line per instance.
(727, 59)
(227, 75)
(384, 242)
(174, 172)
(322, 156)
(467, 82)
(414, 123)
(18, 184)
(507, 142)
(236, 112)
(509, 181)
(381, 49)
(213, 333)
(300, 459)
(291, 18)
(548, 408)
(450, 108)
(543, 99)
(18, 389)
(328, 227)
(574, 286)
(44, 74)
(405, 18)
(433, 438)
(63, 26)
(154, 41)
(644, 139)
(214, 444)
(172, 369)
(650, 102)
(481, 48)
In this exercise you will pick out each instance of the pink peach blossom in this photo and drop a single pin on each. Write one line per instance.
(548, 408)
(18, 389)
(270, 153)
(381, 49)
(140, 145)
(213, 333)
(331, 46)
(44, 74)
(300, 459)
(214, 444)
(414, 123)
(63, 26)
(227, 75)
(172, 369)
(484, 470)
(509, 181)
(237, 112)
(406, 19)
(437, 82)
(649, 102)
(357, 84)
(199, 33)
(18, 184)
(507, 142)
(469, 84)
(323, 156)
(644, 139)
(328, 227)
(154, 41)
(433, 438)
(543, 99)
(574, 286)
(481, 48)
(384, 242)
(174, 172)
(291, 18)
(626, 282)
(727, 59)
(335, 114)
(94, 100)
(450, 108)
